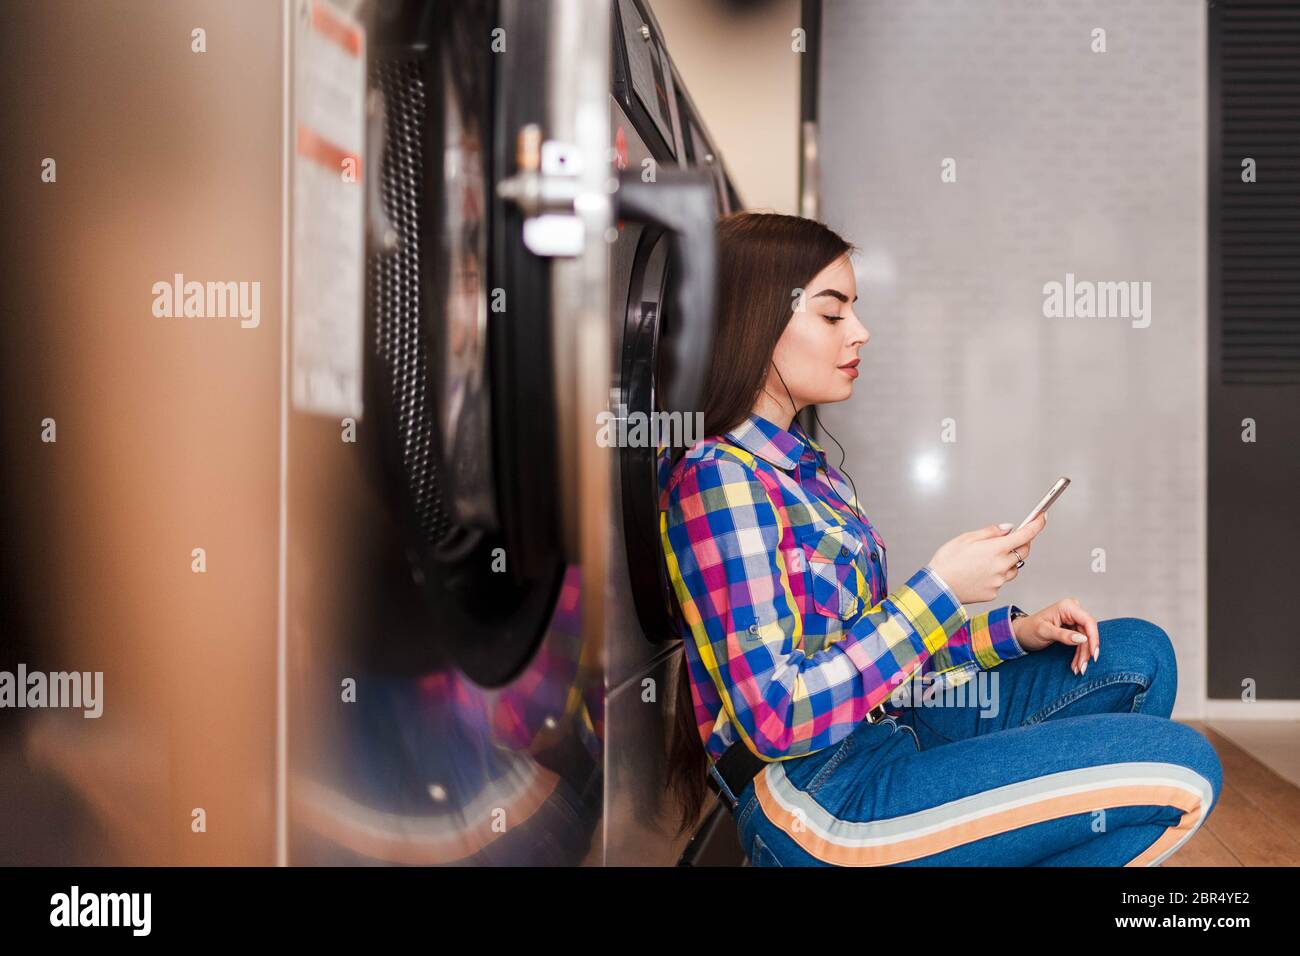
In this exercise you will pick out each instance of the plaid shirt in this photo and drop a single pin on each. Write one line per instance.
(794, 635)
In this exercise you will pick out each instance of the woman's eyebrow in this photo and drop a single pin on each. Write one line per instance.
(836, 293)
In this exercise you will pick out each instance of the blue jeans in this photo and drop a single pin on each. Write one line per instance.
(1051, 769)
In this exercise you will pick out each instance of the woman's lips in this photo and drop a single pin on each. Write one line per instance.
(851, 370)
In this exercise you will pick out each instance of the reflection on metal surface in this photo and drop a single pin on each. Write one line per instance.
(436, 770)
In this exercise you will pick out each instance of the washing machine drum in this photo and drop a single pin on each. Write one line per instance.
(459, 378)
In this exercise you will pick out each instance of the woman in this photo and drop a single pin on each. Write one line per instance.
(801, 665)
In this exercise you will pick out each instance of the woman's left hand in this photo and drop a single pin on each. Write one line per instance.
(1065, 622)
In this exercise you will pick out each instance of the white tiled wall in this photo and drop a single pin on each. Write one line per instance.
(1068, 161)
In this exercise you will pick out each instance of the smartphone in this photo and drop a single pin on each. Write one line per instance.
(1045, 502)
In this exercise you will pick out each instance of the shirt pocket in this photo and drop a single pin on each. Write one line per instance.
(878, 557)
(836, 560)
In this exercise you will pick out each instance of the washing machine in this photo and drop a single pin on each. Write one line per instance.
(478, 639)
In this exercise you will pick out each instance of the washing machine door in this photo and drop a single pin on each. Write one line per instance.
(460, 378)
(667, 312)
(662, 304)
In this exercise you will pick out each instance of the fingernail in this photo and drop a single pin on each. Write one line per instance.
(1005, 525)
(1079, 638)
(1095, 652)
(1085, 667)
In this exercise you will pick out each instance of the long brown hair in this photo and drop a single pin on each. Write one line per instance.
(764, 259)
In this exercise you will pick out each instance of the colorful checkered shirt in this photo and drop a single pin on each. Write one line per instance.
(794, 635)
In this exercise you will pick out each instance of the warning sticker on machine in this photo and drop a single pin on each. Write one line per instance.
(328, 209)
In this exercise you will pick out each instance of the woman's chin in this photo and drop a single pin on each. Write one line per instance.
(829, 397)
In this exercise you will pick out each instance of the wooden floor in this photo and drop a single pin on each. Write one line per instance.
(1256, 821)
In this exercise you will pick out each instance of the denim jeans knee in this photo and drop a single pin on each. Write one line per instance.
(1143, 647)
(1200, 756)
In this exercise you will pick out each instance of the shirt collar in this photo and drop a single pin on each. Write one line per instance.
(773, 443)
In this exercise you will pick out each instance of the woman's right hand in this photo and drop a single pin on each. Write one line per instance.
(976, 564)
